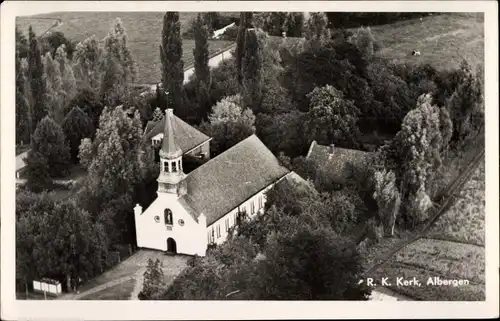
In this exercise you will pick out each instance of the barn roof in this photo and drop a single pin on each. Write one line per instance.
(186, 136)
(337, 164)
(226, 181)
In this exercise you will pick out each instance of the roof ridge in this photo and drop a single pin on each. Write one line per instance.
(218, 156)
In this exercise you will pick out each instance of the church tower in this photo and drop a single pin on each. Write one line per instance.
(171, 179)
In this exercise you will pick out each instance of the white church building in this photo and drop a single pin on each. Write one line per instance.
(194, 210)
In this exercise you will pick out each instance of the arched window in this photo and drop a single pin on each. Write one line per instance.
(165, 167)
(174, 167)
(169, 220)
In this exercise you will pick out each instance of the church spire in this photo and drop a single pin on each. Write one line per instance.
(169, 149)
(171, 179)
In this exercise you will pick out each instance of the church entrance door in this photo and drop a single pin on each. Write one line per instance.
(171, 246)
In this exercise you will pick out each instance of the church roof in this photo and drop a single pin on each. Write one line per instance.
(186, 136)
(169, 148)
(336, 164)
(228, 180)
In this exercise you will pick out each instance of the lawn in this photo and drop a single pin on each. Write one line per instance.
(443, 40)
(120, 291)
(143, 30)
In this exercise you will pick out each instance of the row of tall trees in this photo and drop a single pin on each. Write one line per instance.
(54, 83)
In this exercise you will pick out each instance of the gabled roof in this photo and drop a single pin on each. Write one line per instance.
(336, 164)
(226, 181)
(186, 136)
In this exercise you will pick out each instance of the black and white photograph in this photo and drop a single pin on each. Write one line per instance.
(228, 152)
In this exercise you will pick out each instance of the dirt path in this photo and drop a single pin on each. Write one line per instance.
(133, 269)
(139, 280)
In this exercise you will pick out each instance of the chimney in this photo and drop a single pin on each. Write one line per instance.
(330, 149)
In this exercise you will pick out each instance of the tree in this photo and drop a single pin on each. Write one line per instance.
(418, 147)
(157, 115)
(86, 152)
(363, 39)
(118, 66)
(77, 126)
(446, 127)
(309, 264)
(245, 23)
(171, 59)
(87, 61)
(252, 75)
(388, 199)
(283, 132)
(228, 124)
(63, 241)
(56, 39)
(154, 281)
(271, 22)
(68, 87)
(53, 91)
(332, 119)
(316, 30)
(113, 158)
(36, 80)
(22, 45)
(88, 101)
(48, 140)
(294, 24)
(23, 108)
(465, 101)
(201, 68)
(37, 172)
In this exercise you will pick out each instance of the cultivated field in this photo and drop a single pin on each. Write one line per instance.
(143, 30)
(452, 249)
(443, 40)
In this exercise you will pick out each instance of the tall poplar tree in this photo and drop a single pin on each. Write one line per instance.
(252, 74)
(201, 68)
(53, 88)
(36, 79)
(171, 59)
(118, 67)
(23, 113)
(68, 78)
(87, 60)
(245, 23)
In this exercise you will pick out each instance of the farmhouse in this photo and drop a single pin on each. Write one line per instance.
(194, 210)
(335, 162)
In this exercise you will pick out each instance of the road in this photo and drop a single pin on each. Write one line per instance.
(212, 62)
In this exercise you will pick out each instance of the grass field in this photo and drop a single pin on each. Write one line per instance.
(443, 40)
(452, 249)
(143, 30)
